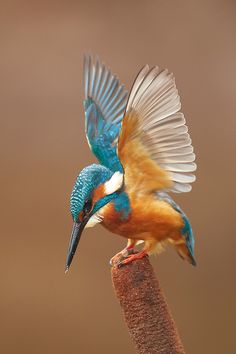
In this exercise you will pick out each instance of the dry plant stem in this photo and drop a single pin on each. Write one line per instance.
(145, 309)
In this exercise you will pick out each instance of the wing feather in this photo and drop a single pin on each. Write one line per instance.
(154, 123)
(105, 102)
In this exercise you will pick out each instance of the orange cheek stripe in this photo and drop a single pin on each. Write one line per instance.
(98, 193)
(81, 215)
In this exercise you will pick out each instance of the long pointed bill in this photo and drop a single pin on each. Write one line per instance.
(74, 241)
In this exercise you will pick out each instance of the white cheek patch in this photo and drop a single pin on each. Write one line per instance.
(114, 183)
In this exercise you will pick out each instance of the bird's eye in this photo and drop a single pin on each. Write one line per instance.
(88, 206)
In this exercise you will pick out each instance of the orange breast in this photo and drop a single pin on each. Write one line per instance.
(149, 218)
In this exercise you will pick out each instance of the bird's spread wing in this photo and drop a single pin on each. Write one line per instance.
(104, 104)
(154, 145)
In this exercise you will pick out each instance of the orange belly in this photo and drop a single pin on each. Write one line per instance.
(149, 219)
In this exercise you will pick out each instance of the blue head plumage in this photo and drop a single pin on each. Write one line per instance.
(88, 180)
(82, 205)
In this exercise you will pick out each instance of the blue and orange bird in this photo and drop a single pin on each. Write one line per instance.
(144, 151)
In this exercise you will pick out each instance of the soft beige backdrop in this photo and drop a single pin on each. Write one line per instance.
(43, 147)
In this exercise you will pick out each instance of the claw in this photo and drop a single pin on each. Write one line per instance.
(119, 257)
(129, 259)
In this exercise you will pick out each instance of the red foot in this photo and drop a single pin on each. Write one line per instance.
(132, 258)
(126, 252)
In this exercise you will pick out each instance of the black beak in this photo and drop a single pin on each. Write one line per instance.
(74, 241)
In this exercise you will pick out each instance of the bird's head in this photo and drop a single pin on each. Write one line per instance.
(95, 186)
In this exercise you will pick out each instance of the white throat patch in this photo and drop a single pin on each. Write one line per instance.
(94, 220)
(114, 183)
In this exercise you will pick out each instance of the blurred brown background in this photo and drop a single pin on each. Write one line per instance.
(43, 147)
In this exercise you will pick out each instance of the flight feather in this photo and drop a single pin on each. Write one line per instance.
(154, 139)
(105, 102)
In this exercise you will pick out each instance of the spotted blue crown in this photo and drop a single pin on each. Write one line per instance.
(88, 180)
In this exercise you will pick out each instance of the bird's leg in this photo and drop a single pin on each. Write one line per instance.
(148, 248)
(130, 246)
(126, 252)
(132, 258)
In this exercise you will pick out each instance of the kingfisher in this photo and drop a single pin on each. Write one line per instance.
(144, 150)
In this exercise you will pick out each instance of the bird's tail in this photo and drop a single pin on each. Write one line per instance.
(185, 245)
(184, 253)
(186, 249)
